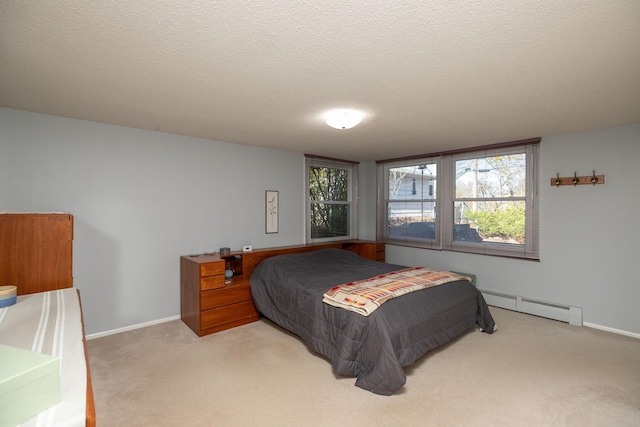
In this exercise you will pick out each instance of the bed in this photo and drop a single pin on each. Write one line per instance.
(36, 257)
(50, 323)
(289, 289)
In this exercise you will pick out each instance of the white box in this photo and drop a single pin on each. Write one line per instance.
(29, 384)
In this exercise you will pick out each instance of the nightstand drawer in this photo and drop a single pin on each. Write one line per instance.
(227, 314)
(225, 296)
(211, 282)
(211, 269)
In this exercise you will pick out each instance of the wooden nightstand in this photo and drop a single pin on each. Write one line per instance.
(207, 303)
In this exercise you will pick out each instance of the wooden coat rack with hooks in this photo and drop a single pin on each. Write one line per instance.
(577, 180)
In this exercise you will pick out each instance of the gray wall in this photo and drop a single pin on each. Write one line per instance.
(141, 199)
(589, 234)
(4, 169)
(367, 205)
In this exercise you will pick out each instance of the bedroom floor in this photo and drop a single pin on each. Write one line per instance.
(532, 371)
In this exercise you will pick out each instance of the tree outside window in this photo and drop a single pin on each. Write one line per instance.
(490, 199)
(332, 205)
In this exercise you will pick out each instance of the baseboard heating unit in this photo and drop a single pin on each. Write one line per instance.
(563, 313)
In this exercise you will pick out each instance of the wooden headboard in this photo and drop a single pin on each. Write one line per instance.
(36, 251)
(244, 263)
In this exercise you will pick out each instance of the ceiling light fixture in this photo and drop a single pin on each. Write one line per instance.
(343, 118)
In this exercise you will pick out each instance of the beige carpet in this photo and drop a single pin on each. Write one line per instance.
(532, 372)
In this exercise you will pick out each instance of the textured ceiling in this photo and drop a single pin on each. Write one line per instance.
(431, 75)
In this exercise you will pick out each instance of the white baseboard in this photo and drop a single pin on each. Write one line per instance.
(613, 330)
(177, 317)
(564, 313)
(132, 327)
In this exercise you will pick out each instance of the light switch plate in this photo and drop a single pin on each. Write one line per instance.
(247, 248)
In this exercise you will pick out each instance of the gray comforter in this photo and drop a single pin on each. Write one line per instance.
(288, 290)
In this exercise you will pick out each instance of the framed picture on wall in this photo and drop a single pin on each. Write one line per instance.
(271, 211)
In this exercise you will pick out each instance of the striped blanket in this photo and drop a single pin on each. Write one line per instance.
(365, 296)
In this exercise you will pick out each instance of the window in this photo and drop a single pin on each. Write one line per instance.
(480, 201)
(331, 208)
(410, 205)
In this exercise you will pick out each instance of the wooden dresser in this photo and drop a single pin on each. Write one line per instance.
(211, 303)
(207, 303)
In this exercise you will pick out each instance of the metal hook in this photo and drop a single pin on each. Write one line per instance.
(558, 180)
(575, 179)
(594, 178)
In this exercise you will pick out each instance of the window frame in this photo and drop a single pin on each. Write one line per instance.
(446, 197)
(384, 200)
(352, 196)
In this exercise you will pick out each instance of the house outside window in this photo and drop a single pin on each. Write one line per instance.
(331, 209)
(479, 201)
(411, 201)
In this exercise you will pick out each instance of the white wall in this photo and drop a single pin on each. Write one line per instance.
(141, 199)
(589, 234)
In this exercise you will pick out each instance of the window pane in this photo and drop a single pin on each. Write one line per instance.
(328, 184)
(411, 219)
(488, 177)
(329, 220)
(489, 222)
(417, 182)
